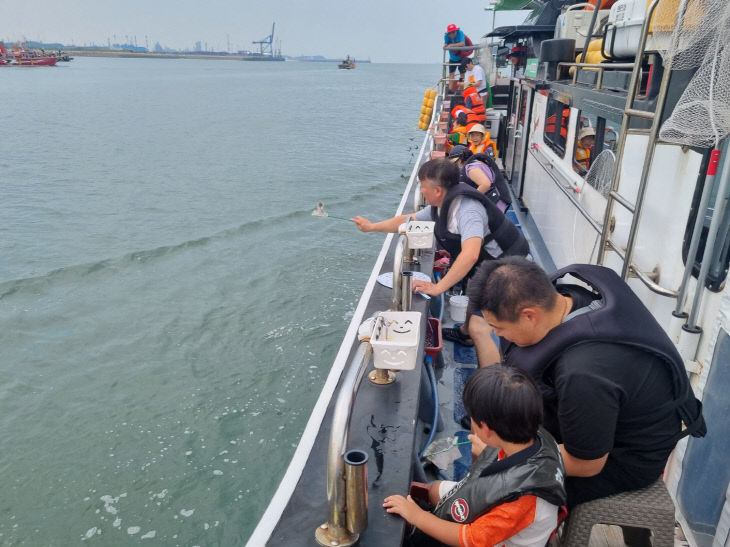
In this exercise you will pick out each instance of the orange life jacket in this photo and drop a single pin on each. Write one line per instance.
(550, 123)
(481, 148)
(582, 155)
(472, 117)
(458, 135)
(455, 111)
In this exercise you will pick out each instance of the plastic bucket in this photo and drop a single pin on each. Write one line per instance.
(457, 307)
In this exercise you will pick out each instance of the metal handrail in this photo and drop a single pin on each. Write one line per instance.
(651, 284)
(569, 193)
(641, 276)
(597, 66)
(717, 216)
(339, 438)
(465, 48)
(694, 243)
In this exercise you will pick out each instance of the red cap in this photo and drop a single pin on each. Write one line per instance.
(451, 28)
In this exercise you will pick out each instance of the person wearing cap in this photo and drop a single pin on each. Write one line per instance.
(479, 141)
(455, 37)
(584, 147)
(468, 225)
(517, 57)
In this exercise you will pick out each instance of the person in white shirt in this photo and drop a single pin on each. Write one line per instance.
(475, 77)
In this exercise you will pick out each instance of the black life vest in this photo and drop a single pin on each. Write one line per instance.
(501, 229)
(499, 181)
(536, 470)
(620, 319)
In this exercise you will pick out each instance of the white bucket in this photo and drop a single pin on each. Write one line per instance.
(457, 307)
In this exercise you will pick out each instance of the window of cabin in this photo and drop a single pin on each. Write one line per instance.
(596, 141)
(523, 107)
(556, 126)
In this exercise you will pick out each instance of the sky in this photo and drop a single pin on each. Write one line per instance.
(391, 31)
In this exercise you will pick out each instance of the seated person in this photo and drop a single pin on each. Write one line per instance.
(458, 133)
(512, 492)
(481, 172)
(480, 142)
(474, 102)
(584, 148)
(475, 76)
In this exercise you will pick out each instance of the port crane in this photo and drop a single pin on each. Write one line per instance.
(265, 45)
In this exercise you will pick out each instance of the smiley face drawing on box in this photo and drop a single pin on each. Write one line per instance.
(404, 328)
(393, 358)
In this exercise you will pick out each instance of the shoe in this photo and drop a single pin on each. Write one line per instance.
(454, 334)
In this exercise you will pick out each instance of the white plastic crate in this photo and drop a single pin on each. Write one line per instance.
(420, 234)
(395, 339)
(627, 17)
(574, 23)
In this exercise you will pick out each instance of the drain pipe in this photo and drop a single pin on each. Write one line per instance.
(346, 500)
(691, 329)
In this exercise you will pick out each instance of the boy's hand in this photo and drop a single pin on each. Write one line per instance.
(477, 445)
(405, 507)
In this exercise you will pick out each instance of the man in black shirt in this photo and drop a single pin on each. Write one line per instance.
(614, 387)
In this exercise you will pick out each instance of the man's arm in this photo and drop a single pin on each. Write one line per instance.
(577, 467)
(389, 226)
(468, 256)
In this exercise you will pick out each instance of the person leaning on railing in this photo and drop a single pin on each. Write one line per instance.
(470, 227)
(455, 37)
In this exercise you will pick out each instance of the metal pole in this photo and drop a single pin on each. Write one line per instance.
(717, 215)
(400, 251)
(697, 229)
(335, 529)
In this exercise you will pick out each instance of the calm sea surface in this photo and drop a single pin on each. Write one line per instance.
(169, 308)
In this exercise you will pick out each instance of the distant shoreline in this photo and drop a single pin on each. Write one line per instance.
(146, 55)
(205, 57)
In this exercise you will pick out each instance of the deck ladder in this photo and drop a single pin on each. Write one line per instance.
(613, 196)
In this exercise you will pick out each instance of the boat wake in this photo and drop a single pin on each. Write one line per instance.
(73, 273)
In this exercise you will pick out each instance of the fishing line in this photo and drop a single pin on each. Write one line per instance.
(446, 449)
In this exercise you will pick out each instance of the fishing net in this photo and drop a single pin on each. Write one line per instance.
(702, 115)
(600, 174)
(319, 211)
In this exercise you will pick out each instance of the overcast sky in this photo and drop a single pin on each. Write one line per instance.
(383, 30)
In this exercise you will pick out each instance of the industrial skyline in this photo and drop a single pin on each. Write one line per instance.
(383, 30)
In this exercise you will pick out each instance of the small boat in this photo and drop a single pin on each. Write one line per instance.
(33, 58)
(25, 57)
(347, 63)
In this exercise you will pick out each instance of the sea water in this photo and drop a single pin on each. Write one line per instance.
(169, 308)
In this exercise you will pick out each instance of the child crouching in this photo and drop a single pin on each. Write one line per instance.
(511, 495)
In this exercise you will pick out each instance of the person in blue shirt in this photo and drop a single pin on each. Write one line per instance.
(455, 37)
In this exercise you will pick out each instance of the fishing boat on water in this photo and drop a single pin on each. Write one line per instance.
(20, 56)
(650, 83)
(347, 63)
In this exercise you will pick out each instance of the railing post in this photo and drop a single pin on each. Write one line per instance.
(335, 531)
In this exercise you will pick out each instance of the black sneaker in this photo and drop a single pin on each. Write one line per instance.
(454, 334)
